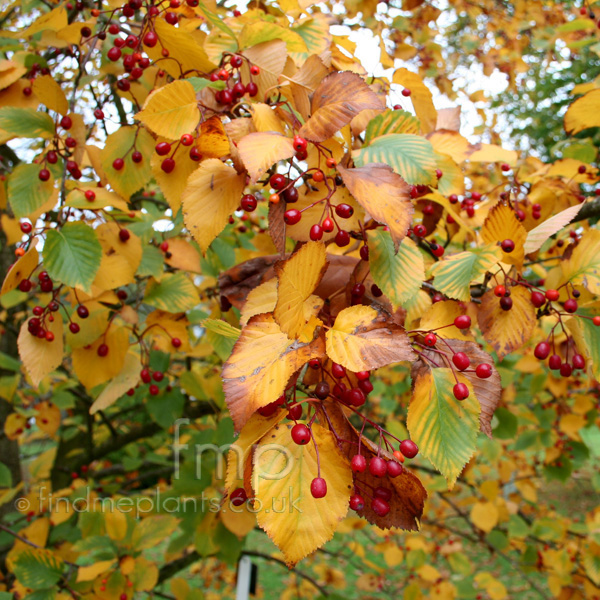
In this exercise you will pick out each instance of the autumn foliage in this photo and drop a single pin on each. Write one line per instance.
(217, 228)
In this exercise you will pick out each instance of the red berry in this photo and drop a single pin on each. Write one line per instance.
(364, 253)
(327, 225)
(158, 376)
(301, 434)
(430, 340)
(154, 390)
(461, 391)
(162, 148)
(175, 342)
(507, 245)
(44, 175)
(25, 285)
(357, 502)
(167, 165)
(578, 361)
(137, 156)
(342, 238)
(254, 70)
(26, 227)
(394, 469)
(118, 164)
(596, 320)
(566, 369)
(366, 386)
(316, 233)
(238, 497)
(538, 299)
(249, 203)
(330, 162)
(251, 89)
(90, 195)
(271, 408)
(581, 169)
(499, 290)
(171, 18)
(150, 39)
(83, 312)
(344, 211)
(428, 209)
(337, 371)
(114, 54)
(409, 448)
(299, 143)
(461, 361)
(483, 371)
(506, 303)
(236, 61)
(358, 289)
(554, 362)
(420, 230)
(49, 336)
(358, 463)
(314, 363)
(542, 350)
(377, 466)
(570, 305)
(164, 246)
(462, 322)
(322, 390)
(380, 507)
(552, 295)
(295, 412)
(406, 92)
(145, 375)
(362, 375)
(318, 487)
(437, 250)
(292, 216)
(278, 181)
(356, 397)
(291, 195)
(102, 350)
(124, 234)
(73, 327)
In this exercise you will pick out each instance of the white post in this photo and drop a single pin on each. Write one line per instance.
(244, 574)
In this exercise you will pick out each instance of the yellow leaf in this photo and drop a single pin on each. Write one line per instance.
(40, 357)
(171, 110)
(537, 236)
(55, 20)
(571, 424)
(383, 194)
(92, 369)
(14, 425)
(304, 82)
(22, 269)
(164, 326)
(103, 197)
(115, 522)
(11, 72)
(492, 153)
(120, 260)
(297, 278)
(361, 340)
(270, 57)
(50, 94)
(450, 143)
(583, 113)
(262, 361)
(583, 266)
(428, 573)
(212, 193)
(260, 151)
(265, 119)
(126, 379)
(90, 572)
(507, 330)
(186, 55)
(421, 98)
(502, 224)
(48, 417)
(484, 515)
(283, 471)
(132, 176)
(261, 299)
(212, 141)
(441, 314)
(337, 100)
(240, 520)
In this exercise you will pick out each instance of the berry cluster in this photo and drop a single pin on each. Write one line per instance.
(230, 72)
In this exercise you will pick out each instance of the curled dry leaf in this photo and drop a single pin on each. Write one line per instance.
(362, 339)
(277, 225)
(507, 330)
(337, 100)
(487, 391)
(383, 194)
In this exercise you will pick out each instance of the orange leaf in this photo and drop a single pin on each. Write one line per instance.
(383, 194)
(339, 98)
(22, 269)
(260, 366)
(48, 417)
(507, 330)
(502, 224)
(259, 151)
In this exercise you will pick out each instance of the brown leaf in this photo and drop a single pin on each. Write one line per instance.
(337, 100)
(305, 82)
(488, 391)
(236, 283)
(383, 194)
(277, 225)
(408, 493)
(507, 330)
(448, 118)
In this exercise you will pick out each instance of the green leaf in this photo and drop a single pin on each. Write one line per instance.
(166, 408)
(391, 121)
(152, 262)
(411, 156)
(587, 335)
(444, 428)
(26, 123)
(454, 274)
(9, 363)
(38, 568)
(26, 192)
(217, 21)
(72, 255)
(507, 424)
(153, 530)
(222, 328)
(173, 293)
(399, 276)
(5, 476)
